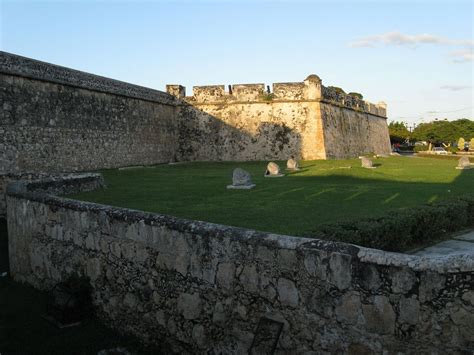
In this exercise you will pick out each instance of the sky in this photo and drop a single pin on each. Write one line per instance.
(417, 56)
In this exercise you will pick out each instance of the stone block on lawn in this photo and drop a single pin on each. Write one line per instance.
(292, 164)
(273, 170)
(464, 163)
(241, 180)
(367, 163)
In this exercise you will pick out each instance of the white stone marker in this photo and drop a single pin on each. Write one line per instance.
(273, 170)
(241, 180)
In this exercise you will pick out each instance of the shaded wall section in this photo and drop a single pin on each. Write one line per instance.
(349, 133)
(55, 119)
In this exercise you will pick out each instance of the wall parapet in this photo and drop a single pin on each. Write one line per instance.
(332, 95)
(204, 286)
(12, 64)
(309, 90)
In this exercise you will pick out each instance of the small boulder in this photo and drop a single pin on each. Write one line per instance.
(273, 170)
(241, 180)
(367, 163)
(464, 163)
(292, 164)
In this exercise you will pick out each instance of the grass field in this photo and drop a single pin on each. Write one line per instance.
(321, 192)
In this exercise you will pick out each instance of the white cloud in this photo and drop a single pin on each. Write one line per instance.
(455, 87)
(401, 39)
(462, 55)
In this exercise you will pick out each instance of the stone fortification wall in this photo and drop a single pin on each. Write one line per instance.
(203, 287)
(352, 126)
(306, 120)
(248, 125)
(55, 119)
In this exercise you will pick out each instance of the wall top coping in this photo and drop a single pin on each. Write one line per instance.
(44, 190)
(34, 69)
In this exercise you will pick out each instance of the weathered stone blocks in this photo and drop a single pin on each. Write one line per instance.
(340, 270)
(200, 286)
(189, 305)
(379, 316)
(287, 292)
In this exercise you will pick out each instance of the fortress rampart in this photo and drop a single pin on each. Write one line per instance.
(55, 119)
(306, 120)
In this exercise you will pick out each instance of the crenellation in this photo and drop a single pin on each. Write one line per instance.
(248, 92)
(309, 90)
(209, 93)
(382, 108)
(177, 91)
(289, 91)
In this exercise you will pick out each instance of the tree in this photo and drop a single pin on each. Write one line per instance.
(444, 131)
(461, 143)
(471, 144)
(398, 132)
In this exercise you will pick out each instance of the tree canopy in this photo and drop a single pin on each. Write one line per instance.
(444, 131)
(398, 132)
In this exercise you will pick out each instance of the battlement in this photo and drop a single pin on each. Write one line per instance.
(332, 95)
(311, 89)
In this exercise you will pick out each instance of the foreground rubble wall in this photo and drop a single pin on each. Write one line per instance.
(201, 287)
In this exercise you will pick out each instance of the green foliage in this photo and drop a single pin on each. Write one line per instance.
(405, 229)
(398, 132)
(267, 97)
(356, 94)
(444, 131)
(451, 149)
(461, 143)
(337, 89)
(471, 144)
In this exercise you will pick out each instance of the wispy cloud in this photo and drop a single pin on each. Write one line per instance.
(400, 39)
(464, 54)
(455, 87)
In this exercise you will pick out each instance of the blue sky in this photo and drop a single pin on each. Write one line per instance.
(415, 55)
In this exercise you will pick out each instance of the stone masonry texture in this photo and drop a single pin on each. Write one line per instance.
(198, 287)
(305, 120)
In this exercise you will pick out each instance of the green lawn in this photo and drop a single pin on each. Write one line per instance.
(321, 192)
